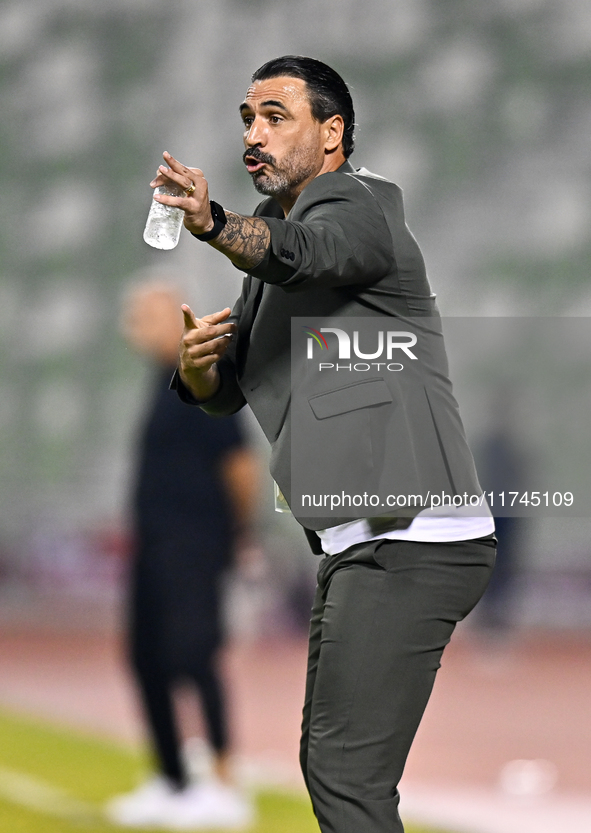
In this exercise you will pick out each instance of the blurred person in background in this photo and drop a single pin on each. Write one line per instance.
(194, 494)
(505, 466)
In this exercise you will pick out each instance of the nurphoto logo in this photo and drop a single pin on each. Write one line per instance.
(387, 343)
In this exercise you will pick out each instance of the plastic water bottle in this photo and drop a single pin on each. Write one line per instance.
(164, 224)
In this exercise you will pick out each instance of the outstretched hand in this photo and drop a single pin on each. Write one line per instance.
(203, 343)
(194, 202)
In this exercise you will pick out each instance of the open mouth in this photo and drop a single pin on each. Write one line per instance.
(253, 165)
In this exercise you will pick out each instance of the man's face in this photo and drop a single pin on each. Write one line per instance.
(284, 143)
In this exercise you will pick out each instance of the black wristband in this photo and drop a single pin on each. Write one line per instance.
(219, 221)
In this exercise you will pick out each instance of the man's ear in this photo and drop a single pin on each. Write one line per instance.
(334, 128)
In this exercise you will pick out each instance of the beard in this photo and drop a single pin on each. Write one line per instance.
(283, 179)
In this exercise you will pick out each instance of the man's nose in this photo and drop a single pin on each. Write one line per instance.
(256, 135)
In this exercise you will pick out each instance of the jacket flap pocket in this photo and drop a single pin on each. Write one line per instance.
(351, 398)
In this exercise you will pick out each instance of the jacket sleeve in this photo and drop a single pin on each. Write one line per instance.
(227, 400)
(340, 237)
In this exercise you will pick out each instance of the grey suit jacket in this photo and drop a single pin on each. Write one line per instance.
(344, 250)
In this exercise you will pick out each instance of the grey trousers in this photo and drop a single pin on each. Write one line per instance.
(383, 613)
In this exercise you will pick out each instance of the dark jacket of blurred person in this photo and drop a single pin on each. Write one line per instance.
(193, 495)
(504, 466)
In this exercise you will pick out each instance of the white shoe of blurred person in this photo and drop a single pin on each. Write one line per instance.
(198, 758)
(146, 806)
(210, 804)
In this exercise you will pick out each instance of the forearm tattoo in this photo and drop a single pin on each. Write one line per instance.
(244, 240)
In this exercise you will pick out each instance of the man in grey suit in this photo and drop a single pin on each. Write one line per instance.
(331, 241)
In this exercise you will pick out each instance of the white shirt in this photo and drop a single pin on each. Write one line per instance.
(438, 525)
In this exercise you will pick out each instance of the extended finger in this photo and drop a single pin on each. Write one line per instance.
(177, 166)
(189, 318)
(192, 174)
(208, 328)
(166, 175)
(217, 317)
(192, 322)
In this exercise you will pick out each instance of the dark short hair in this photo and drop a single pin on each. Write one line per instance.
(328, 93)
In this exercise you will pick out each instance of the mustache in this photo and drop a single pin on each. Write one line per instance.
(257, 153)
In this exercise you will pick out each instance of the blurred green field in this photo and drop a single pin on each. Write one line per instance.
(54, 781)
